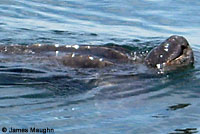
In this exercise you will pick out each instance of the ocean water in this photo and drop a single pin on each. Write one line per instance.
(125, 99)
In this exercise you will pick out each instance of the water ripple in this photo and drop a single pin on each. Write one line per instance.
(122, 99)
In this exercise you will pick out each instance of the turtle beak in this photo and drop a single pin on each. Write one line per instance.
(174, 51)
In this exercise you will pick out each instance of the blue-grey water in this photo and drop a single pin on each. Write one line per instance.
(126, 99)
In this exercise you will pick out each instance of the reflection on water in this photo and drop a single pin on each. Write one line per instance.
(127, 98)
(175, 107)
(185, 131)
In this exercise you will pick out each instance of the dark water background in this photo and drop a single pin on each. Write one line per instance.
(127, 99)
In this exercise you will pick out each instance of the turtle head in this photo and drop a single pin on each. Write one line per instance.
(173, 52)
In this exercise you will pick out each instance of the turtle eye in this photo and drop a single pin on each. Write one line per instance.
(181, 51)
(183, 48)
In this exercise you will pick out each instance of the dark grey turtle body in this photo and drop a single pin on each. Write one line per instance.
(72, 55)
(175, 51)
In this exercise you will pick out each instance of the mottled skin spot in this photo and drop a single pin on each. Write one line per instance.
(175, 51)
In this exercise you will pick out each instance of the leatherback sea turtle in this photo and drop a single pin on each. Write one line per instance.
(173, 52)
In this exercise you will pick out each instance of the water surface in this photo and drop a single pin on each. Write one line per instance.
(121, 99)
